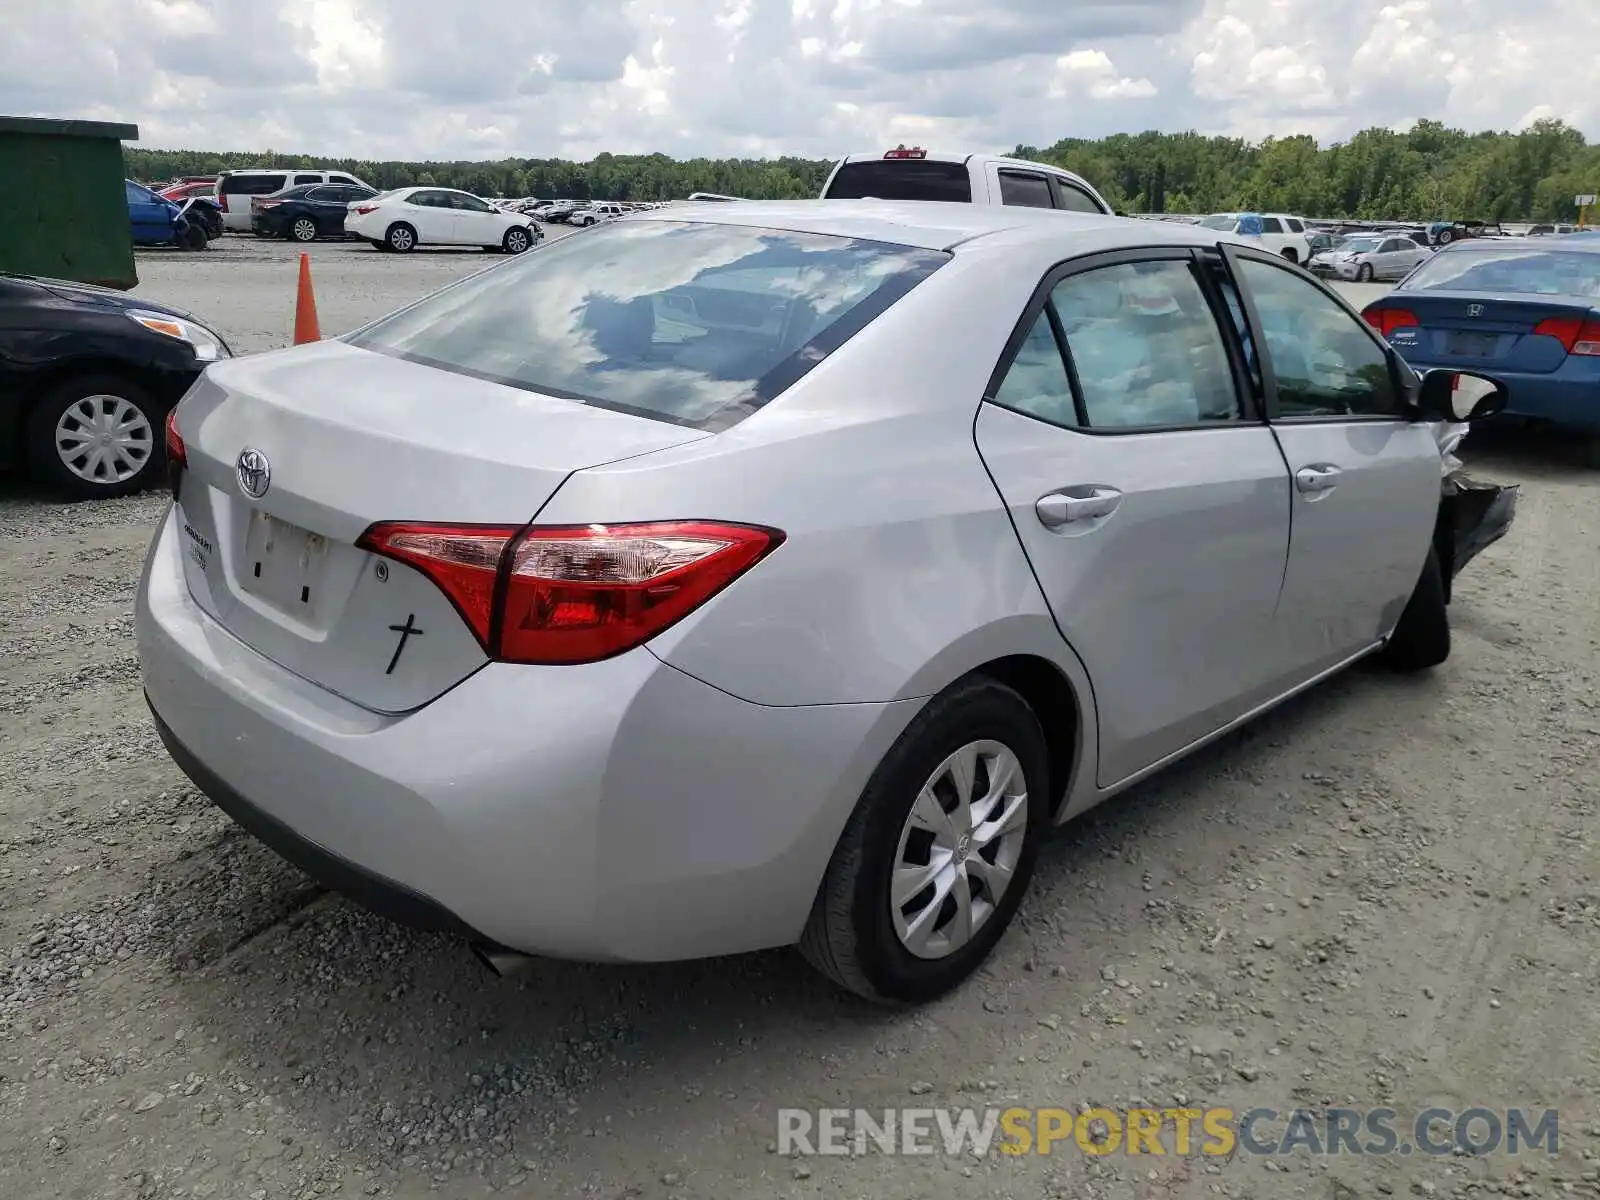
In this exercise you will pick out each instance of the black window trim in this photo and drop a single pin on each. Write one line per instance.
(1061, 183)
(1250, 415)
(1231, 256)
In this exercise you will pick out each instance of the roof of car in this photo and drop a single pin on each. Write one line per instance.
(933, 225)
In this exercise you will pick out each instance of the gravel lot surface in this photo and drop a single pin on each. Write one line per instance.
(1384, 893)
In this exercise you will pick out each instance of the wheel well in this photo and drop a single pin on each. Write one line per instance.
(1045, 688)
(1291, 254)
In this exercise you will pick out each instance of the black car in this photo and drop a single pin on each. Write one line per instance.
(87, 377)
(305, 213)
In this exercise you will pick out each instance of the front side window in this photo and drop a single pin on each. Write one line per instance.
(691, 322)
(1073, 198)
(1294, 225)
(1325, 362)
(1146, 347)
(1024, 190)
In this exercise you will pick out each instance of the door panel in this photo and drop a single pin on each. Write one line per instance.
(1367, 479)
(1165, 580)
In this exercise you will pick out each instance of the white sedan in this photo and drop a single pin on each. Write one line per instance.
(403, 219)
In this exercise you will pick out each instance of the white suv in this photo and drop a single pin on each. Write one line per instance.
(1280, 233)
(918, 174)
(237, 189)
(593, 214)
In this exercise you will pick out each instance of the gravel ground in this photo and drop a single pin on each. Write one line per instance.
(1383, 893)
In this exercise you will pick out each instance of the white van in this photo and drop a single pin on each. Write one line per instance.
(912, 173)
(236, 189)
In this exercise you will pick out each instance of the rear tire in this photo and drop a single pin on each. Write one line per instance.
(1422, 638)
(401, 238)
(69, 416)
(302, 229)
(851, 935)
(1291, 254)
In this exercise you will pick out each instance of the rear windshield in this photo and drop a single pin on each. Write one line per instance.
(901, 179)
(1517, 270)
(252, 185)
(695, 323)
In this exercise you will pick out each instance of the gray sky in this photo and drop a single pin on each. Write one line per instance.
(411, 79)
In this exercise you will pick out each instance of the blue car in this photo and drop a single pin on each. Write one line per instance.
(1526, 311)
(156, 221)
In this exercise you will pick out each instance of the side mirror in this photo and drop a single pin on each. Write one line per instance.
(1460, 395)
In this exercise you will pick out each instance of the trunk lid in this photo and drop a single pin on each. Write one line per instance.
(351, 437)
(1472, 330)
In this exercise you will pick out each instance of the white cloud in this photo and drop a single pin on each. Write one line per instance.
(418, 79)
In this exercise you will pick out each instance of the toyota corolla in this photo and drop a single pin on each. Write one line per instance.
(747, 575)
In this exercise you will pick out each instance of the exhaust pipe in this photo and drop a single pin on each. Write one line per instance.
(499, 960)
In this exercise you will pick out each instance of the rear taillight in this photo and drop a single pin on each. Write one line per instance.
(903, 152)
(1577, 335)
(574, 593)
(362, 210)
(177, 454)
(1387, 320)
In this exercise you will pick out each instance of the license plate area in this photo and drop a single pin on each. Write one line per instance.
(284, 565)
(1472, 345)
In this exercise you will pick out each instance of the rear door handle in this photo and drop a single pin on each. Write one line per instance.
(1076, 505)
(1317, 480)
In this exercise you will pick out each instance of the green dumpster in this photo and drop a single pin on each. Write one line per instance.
(63, 211)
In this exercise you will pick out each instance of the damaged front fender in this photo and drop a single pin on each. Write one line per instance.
(1473, 515)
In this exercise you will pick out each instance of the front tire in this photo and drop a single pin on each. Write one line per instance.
(193, 237)
(401, 238)
(303, 229)
(516, 240)
(936, 857)
(95, 436)
(1364, 273)
(1291, 254)
(1422, 637)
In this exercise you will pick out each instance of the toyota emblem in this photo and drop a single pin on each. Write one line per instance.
(255, 473)
(1474, 310)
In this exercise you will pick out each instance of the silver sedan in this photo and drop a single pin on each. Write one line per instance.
(747, 575)
(1364, 259)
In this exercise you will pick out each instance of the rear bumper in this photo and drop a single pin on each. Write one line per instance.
(265, 227)
(620, 811)
(1568, 396)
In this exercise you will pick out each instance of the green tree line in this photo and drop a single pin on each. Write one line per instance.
(1429, 171)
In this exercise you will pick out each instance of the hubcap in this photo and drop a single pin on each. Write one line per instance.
(958, 849)
(104, 439)
(519, 241)
(401, 239)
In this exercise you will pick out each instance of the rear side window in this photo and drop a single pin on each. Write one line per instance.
(1294, 225)
(695, 323)
(1271, 225)
(1024, 190)
(303, 179)
(901, 179)
(1145, 345)
(253, 185)
(343, 179)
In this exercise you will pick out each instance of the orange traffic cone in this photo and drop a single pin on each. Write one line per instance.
(306, 328)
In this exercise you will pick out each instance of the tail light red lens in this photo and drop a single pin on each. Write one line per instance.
(1387, 320)
(574, 594)
(177, 453)
(362, 210)
(1577, 335)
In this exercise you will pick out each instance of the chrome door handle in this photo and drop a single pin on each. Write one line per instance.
(1315, 480)
(1060, 508)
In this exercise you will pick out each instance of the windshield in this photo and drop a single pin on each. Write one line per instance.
(1220, 221)
(1515, 269)
(690, 322)
(901, 179)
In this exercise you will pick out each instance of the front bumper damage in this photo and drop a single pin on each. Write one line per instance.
(1473, 514)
